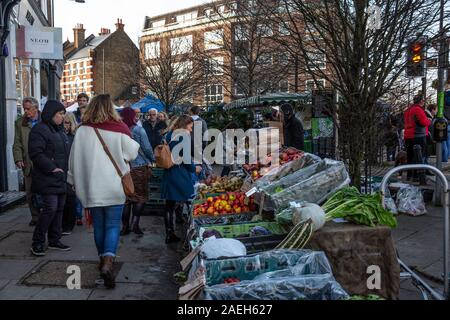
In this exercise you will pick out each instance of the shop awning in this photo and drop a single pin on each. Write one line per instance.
(270, 99)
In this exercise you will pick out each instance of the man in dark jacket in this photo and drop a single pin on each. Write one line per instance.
(154, 128)
(49, 152)
(293, 129)
(22, 160)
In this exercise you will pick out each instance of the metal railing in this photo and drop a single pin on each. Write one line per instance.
(446, 201)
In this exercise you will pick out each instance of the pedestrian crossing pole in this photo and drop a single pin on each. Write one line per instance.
(441, 101)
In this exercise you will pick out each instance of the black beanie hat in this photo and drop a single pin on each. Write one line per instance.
(51, 108)
(287, 108)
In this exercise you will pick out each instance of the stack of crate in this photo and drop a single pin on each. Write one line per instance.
(155, 205)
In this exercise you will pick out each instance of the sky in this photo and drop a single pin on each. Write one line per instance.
(97, 14)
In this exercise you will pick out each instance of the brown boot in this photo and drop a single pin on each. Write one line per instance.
(100, 264)
(107, 272)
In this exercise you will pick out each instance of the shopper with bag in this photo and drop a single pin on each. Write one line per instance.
(140, 173)
(176, 184)
(99, 172)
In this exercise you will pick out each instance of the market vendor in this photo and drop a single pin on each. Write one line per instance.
(292, 128)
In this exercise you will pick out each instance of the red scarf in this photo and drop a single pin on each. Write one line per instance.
(115, 126)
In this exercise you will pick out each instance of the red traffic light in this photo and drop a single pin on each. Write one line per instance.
(416, 47)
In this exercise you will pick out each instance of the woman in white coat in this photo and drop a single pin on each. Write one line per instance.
(95, 179)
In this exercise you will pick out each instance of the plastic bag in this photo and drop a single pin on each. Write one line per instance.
(217, 248)
(273, 275)
(389, 203)
(313, 184)
(410, 201)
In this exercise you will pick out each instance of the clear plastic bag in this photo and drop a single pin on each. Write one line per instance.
(216, 248)
(278, 173)
(273, 275)
(410, 201)
(389, 202)
(313, 184)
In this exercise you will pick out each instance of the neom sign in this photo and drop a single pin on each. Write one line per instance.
(39, 43)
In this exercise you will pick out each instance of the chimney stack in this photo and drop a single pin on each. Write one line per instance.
(78, 35)
(104, 31)
(119, 25)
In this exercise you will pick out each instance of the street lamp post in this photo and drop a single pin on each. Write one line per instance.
(441, 94)
(6, 7)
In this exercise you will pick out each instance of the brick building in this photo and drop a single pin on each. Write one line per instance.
(204, 29)
(107, 63)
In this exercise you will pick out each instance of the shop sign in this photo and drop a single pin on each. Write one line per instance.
(39, 43)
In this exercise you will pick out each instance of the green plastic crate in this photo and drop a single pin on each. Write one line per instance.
(239, 229)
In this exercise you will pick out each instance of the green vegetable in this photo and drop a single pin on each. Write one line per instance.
(350, 204)
(180, 277)
(278, 189)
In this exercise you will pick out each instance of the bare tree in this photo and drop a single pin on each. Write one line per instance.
(364, 54)
(170, 71)
(239, 50)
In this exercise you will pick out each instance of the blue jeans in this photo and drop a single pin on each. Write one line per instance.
(78, 209)
(446, 148)
(106, 221)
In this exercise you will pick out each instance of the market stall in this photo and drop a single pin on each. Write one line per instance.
(250, 232)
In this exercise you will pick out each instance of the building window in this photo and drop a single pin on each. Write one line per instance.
(181, 45)
(214, 39)
(284, 86)
(284, 58)
(239, 62)
(317, 60)
(241, 33)
(311, 85)
(265, 59)
(187, 17)
(159, 23)
(214, 66)
(182, 69)
(239, 91)
(284, 29)
(152, 50)
(214, 94)
(265, 30)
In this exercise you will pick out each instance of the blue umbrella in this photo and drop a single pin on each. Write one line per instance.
(147, 103)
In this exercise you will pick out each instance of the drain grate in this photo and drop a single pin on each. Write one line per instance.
(54, 274)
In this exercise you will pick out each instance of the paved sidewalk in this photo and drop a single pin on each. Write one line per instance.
(146, 264)
(419, 241)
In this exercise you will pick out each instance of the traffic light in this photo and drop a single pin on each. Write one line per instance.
(415, 64)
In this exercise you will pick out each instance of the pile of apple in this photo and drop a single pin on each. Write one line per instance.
(225, 204)
(261, 168)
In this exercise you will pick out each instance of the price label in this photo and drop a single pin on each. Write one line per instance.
(251, 192)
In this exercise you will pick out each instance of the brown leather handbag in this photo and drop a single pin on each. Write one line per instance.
(127, 181)
(163, 156)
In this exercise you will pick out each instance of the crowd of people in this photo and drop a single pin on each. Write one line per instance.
(75, 163)
(402, 139)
